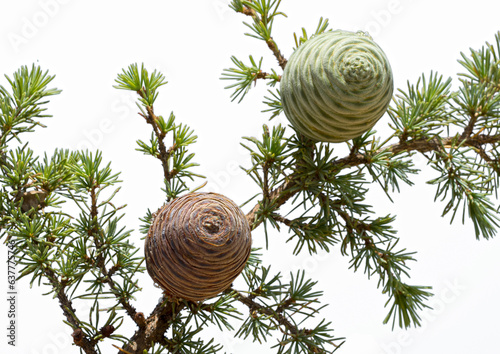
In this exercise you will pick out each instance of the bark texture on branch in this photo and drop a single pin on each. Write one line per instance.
(153, 328)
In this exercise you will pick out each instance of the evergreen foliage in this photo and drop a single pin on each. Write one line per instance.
(88, 255)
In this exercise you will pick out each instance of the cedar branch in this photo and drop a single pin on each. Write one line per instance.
(271, 44)
(286, 190)
(100, 261)
(277, 316)
(88, 346)
(165, 154)
(155, 327)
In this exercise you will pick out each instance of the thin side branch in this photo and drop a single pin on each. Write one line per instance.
(288, 326)
(494, 164)
(285, 191)
(279, 195)
(100, 261)
(164, 153)
(282, 61)
(271, 44)
(266, 76)
(88, 346)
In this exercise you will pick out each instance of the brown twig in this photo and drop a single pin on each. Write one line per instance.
(260, 75)
(470, 126)
(290, 328)
(254, 306)
(282, 61)
(271, 44)
(282, 220)
(87, 345)
(100, 261)
(280, 196)
(165, 154)
(484, 155)
(285, 191)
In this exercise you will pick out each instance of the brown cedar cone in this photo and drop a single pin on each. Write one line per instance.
(197, 245)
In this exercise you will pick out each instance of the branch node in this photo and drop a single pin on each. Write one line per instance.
(140, 319)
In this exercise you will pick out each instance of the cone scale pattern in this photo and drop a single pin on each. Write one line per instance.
(336, 86)
(197, 245)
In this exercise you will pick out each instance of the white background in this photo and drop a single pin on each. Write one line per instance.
(87, 43)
